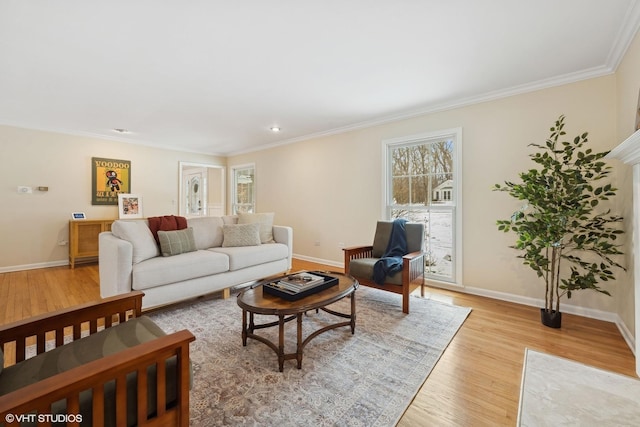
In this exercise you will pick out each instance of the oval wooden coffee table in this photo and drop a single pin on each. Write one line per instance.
(255, 301)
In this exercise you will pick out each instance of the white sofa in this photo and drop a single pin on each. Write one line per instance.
(130, 258)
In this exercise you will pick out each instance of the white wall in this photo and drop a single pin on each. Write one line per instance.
(32, 225)
(627, 94)
(330, 189)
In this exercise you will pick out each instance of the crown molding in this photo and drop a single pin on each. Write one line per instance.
(628, 151)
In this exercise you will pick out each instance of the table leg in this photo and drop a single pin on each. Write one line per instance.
(299, 346)
(353, 313)
(244, 328)
(281, 342)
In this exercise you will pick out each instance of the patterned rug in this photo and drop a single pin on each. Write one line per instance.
(560, 392)
(366, 379)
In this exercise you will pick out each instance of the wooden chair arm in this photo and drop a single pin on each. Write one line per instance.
(413, 267)
(94, 375)
(353, 251)
(413, 255)
(356, 252)
(113, 309)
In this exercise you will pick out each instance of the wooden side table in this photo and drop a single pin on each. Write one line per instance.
(83, 238)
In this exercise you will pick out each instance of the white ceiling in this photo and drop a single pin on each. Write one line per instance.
(213, 76)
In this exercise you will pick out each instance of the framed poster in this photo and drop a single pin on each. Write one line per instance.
(108, 178)
(129, 206)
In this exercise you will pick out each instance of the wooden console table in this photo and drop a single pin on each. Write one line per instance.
(83, 238)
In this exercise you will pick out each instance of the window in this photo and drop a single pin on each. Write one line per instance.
(244, 194)
(423, 184)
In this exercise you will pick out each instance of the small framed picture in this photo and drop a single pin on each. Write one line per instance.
(78, 215)
(129, 206)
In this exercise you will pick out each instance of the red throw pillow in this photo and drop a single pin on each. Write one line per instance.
(166, 223)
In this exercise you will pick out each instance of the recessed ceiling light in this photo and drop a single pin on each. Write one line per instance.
(121, 130)
(275, 128)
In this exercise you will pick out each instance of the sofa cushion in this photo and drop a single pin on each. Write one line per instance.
(241, 235)
(207, 231)
(176, 242)
(363, 267)
(230, 219)
(266, 224)
(162, 271)
(247, 256)
(139, 235)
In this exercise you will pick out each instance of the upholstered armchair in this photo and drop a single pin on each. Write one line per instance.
(359, 261)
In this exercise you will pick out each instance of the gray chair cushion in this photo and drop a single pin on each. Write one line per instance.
(415, 236)
(363, 267)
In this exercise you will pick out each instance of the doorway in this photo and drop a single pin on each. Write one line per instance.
(202, 190)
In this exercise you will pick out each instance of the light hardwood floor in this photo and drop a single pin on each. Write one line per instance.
(475, 383)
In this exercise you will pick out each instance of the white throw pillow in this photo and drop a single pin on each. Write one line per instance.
(139, 235)
(266, 224)
(241, 235)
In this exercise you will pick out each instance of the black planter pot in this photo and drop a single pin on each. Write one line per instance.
(552, 319)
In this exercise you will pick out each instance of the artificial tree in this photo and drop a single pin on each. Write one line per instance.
(562, 233)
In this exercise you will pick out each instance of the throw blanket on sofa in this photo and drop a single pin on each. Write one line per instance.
(391, 261)
(166, 223)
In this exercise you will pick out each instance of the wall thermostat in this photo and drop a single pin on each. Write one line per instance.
(78, 215)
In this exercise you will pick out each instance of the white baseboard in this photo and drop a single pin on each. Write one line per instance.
(627, 335)
(11, 268)
(319, 260)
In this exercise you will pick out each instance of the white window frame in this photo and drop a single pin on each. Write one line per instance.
(234, 187)
(456, 135)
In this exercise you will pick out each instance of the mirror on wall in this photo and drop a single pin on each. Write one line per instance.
(202, 190)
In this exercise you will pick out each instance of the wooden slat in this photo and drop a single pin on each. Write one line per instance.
(161, 388)
(98, 405)
(142, 395)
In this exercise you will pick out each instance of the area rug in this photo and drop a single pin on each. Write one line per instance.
(561, 392)
(365, 379)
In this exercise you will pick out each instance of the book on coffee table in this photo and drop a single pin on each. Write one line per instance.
(294, 292)
(301, 281)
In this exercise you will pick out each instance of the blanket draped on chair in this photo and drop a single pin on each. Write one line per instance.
(391, 261)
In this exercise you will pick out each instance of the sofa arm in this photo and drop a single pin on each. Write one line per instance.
(284, 235)
(115, 258)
